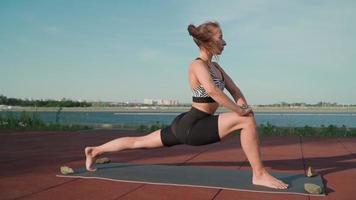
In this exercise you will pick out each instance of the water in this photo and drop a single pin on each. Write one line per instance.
(277, 119)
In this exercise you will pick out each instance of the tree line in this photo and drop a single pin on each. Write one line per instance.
(69, 103)
(319, 104)
(42, 103)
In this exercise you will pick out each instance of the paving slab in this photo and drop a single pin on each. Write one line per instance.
(30, 160)
(328, 157)
(278, 156)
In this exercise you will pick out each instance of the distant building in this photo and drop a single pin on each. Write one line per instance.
(148, 101)
(3, 107)
(160, 102)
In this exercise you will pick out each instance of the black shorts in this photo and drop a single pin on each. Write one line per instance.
(194, 127)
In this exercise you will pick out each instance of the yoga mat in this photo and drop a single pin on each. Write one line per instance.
(194, 176)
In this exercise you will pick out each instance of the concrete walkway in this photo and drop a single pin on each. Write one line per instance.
(30, 160)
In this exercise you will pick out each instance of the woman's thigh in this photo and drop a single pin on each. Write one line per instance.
(231, 121)
(204, 131)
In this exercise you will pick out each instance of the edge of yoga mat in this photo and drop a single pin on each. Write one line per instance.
(93, 175)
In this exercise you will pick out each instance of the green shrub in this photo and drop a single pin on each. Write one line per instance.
(150, 128)
(27, 122)
(330, 130)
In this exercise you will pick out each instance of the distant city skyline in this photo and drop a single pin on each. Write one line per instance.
(119, 51)
(166, 101)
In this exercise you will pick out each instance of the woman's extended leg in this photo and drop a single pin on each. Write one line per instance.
(229, 122)
(152, 140)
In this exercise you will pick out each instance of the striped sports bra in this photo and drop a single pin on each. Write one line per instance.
(199, 93)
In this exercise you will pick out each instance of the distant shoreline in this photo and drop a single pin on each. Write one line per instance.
(169, 109)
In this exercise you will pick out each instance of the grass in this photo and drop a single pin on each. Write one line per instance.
(330, 130)
(150, 128)
(27, 121)
(33, 122)
(271, 130)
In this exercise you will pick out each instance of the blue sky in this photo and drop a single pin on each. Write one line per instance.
(277, 50)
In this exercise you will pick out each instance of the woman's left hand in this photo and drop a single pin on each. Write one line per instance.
(245, 107)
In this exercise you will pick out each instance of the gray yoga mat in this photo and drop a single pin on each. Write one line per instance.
(194, 176)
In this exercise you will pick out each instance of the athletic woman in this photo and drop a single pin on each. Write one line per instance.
(199, 125)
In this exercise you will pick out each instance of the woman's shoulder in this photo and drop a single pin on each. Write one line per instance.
(196, 63)
(197, 60)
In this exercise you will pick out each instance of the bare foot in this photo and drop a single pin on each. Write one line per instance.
(269, 181)
(89, 159)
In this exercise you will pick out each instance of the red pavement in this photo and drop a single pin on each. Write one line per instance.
(30, 161)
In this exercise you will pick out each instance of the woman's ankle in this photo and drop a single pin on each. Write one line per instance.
(95, 152)
(259, 172)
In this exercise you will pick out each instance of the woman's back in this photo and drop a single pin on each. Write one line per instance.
(201, 99)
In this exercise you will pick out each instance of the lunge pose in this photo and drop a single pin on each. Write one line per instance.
(199, 125)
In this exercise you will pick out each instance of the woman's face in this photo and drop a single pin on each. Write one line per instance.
(220, 42)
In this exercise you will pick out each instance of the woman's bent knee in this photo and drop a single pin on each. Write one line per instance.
(242, 122)
(231, 121)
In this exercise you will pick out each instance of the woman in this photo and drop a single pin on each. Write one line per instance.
(199, 125)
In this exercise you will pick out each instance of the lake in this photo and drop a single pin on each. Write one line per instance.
(277, 119)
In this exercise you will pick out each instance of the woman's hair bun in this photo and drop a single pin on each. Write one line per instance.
(192, 30)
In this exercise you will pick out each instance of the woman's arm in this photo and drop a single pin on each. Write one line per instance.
(232, 88)
(202, 74)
